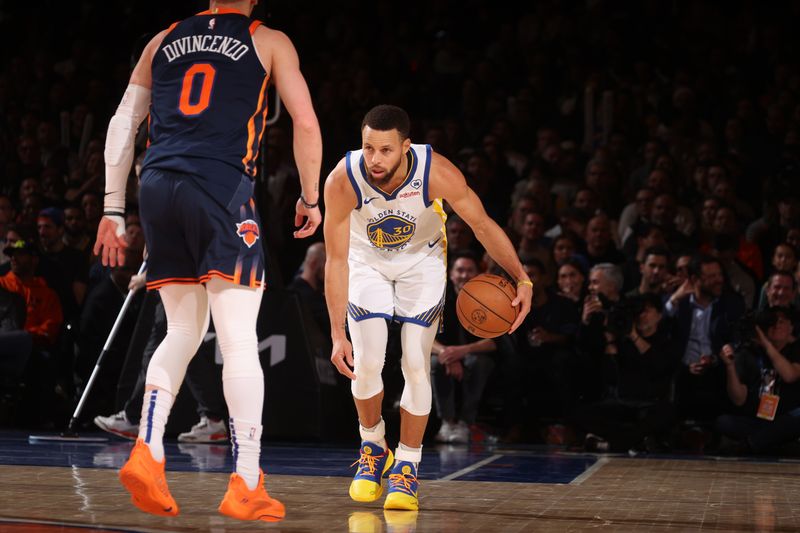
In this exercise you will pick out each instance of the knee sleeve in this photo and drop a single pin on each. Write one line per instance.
(416, 364)
(369, 352)
(186, 307)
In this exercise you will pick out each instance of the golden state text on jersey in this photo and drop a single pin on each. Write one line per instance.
(401, 227)
(391, 230)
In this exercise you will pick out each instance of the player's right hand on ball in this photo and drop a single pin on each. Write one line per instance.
(342, 357)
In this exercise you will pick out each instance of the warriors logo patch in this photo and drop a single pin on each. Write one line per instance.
(248, 231)
(390, 232)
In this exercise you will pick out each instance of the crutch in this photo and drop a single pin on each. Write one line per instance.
(71, 433)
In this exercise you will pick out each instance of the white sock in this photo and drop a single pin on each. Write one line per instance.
(155, 411)
(246, 441)
(376, 433)
(408, 454)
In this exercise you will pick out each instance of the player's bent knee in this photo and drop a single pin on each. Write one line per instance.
(365, 387)
(416, 400)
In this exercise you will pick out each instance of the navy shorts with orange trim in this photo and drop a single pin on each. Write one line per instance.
(191, 237)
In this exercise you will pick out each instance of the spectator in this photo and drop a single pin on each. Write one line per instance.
(762, 382)
(571, 279)
(780, 290)
(309, 283)
(43, 310)
(75, 234)
(460, 236)
(704, 314)
(534, 245)
(653, 273)
(541, 375)
(71, 263)
(635, 412)
(459, 361)
(599, 246)
(748, 253)
(565, 246)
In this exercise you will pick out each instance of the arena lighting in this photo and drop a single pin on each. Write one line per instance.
(71, 433)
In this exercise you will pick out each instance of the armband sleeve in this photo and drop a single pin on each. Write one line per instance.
(131, 111)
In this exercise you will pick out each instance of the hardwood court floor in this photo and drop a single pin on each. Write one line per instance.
(614, 493)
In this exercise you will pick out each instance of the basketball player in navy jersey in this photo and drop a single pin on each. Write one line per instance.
(385, 244)
(203, 82)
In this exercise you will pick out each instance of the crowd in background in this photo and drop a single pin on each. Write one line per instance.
(643, 156)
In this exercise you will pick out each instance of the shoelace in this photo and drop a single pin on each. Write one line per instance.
(367, 462)
(403, 482)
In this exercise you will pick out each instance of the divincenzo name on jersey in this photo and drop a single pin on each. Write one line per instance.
(227, 46)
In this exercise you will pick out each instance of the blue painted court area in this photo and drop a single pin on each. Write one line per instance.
(443, 462)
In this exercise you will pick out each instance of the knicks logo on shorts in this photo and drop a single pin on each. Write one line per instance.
(391, 232)
(248, 231)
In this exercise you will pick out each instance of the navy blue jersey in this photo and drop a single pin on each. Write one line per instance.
(209, 102)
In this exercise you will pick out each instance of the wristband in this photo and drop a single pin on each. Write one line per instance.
(527, 282)
(113, 213)
(308, 205)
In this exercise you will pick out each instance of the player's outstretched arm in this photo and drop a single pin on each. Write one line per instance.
(282, 63)
(340, 200)
(447, 182)
(110, 243)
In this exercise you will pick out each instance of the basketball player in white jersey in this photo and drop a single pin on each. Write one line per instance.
(385, 244)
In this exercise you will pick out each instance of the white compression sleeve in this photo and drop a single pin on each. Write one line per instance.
(122, 127)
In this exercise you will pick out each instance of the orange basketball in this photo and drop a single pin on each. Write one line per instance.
(484, 305)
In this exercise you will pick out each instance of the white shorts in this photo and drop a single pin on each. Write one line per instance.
(415, 296)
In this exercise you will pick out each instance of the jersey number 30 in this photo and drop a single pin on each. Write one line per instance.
(207, 72)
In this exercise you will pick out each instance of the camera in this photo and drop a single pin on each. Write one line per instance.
(744, 329)
(620, 316)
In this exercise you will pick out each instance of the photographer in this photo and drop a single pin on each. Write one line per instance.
(637, 367)
(762, 382)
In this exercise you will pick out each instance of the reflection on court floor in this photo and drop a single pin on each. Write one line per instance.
(62, 486)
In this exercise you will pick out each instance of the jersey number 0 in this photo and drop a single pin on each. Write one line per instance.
(185, 104)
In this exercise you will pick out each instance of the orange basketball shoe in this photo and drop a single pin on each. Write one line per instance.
(244, 504)
(144, 478)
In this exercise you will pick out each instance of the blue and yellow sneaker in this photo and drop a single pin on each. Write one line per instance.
(403, 486)
(372, 465)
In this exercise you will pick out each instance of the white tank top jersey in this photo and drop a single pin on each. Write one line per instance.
(394, 232)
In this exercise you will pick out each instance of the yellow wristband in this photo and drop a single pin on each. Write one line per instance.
(527, 282)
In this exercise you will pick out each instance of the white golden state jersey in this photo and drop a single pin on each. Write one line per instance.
(394, 232)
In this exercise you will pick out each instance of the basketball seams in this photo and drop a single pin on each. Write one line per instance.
(476, 290)
(505, 292)
(476, 329)
(504, 319)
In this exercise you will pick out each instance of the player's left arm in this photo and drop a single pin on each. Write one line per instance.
(122, 127)
(447, 182)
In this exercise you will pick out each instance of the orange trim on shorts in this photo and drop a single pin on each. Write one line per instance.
(251, 129)
(237, 272)
(253, 277)
(254, 26)
(157, 284)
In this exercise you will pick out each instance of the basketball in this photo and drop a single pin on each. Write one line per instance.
(484, 305)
